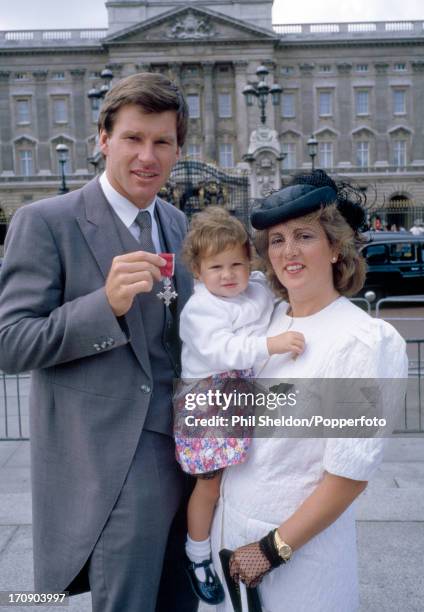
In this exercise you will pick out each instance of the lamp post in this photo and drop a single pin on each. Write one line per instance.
(261, 90)
(96, 95)
(62, 154)
(312, 145)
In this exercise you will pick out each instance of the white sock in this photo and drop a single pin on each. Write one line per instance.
(197, 552)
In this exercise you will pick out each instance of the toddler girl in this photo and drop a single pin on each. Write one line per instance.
(222, 328)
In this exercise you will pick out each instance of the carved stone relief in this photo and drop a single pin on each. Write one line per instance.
(265, 170)
(190, 26)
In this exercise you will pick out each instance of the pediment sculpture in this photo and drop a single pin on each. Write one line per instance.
(191, 26)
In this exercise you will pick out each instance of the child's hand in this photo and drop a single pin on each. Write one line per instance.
(288, 342)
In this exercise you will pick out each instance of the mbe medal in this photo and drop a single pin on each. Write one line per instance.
(168, 293)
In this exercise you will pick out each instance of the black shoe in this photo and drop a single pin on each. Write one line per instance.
(210, 591)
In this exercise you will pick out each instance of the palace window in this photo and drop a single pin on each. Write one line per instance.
(26, 163)
(362, 102)
(226, 155)
(399, 101)
(325, 103)
(60, 110)
(193, 101)
(194, 150)
(23, 111)
(325, 154)
(289, 161)
(288, 105)
(399, 153)
(224, 105)
(363, 154)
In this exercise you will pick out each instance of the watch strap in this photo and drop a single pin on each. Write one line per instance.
(270, 551)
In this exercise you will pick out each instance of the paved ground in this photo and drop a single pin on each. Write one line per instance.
(390, 530)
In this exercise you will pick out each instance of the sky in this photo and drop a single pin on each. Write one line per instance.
(45, 14)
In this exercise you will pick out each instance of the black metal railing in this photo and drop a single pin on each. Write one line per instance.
(14, 406)
(412, 418)
(15, 390)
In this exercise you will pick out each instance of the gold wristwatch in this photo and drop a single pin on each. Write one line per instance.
(284, 550)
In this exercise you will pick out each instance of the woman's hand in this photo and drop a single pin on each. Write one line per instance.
(248, 564)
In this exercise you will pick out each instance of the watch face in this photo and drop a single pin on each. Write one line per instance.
(285, 552)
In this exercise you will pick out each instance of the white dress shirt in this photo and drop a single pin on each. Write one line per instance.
(127, 211)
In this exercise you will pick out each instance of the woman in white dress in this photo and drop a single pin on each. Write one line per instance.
(287, 511)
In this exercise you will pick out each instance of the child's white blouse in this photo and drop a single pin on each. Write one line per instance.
(221, 334)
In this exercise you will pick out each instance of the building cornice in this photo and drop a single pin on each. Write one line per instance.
(349, 43)
(57, 51)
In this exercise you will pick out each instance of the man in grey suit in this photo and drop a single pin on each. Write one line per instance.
(79, 307)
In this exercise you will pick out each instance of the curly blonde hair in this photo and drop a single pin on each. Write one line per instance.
(212, 231)
(350, 268)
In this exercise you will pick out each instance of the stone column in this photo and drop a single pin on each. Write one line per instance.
(175, 70)
(79, 102)
(6, 147)
(382, 113)
(417, 91)
(308, 112)
(240, 111)
(344, 107)
(42, 121)
(208, 117)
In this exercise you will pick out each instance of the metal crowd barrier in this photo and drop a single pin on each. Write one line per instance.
(413, 418)
(399, 299)
(14, 389)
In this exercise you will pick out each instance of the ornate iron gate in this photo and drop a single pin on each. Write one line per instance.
(194, 184)
(398, 214)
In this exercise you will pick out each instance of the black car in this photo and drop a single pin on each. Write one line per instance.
(395, 262)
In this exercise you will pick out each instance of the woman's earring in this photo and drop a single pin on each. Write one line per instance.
(333, 259)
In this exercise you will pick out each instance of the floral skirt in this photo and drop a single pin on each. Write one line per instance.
(201, 448)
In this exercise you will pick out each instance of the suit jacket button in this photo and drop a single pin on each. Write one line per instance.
(145, 388)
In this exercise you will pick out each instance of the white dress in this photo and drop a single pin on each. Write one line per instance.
(258, 495)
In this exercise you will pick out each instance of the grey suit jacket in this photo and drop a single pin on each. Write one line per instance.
(88, 398)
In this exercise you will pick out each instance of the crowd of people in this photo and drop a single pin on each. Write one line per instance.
(97, 301)
(417, 229)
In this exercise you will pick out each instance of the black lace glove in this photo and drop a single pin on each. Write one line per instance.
(250, 563)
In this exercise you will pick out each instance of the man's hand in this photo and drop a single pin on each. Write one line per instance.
(129, 275)
(287, 342)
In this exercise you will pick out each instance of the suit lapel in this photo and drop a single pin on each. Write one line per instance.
(99, 229)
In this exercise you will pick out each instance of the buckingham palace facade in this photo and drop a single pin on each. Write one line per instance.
(357, 87)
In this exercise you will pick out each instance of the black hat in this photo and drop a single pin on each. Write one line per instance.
(307, 193)
(290, 203)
